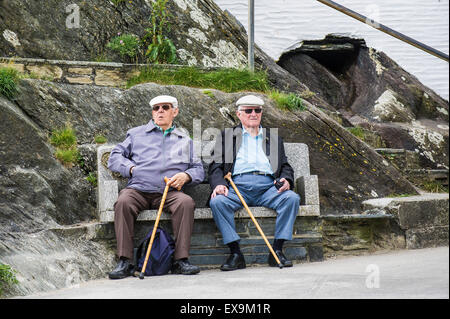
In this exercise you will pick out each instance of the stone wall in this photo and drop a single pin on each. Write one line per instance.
(78, 72)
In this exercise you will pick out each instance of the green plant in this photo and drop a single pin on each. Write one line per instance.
(92, 178)
(64, 138)
(160, 49)
(7, 277)
(434, 187)
(285, 101)
(65, 141)
(100, 139)
(9, 78)
(208, 93)
(127, 45)
(227, 80)
(357, 131)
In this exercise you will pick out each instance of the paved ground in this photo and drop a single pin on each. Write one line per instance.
(420, 273)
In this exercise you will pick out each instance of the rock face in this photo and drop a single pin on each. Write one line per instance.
(370, 90)
(38, 197)
(203, 34)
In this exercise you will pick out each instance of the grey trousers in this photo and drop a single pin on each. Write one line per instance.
(131, 202)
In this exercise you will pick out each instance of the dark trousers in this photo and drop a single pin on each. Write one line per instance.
(131, 202)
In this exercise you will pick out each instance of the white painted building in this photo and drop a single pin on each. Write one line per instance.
(281, 23)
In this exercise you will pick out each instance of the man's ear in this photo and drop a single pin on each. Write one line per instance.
(175, 112)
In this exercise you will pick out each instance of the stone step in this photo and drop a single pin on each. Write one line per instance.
(424, 218)
(256, 251)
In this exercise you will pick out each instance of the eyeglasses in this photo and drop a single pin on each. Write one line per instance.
(249, 111)
(165, 107)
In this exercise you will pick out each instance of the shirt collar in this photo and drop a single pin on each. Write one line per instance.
(260, 131)
(152, 125)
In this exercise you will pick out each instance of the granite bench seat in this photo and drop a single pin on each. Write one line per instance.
(109, 185)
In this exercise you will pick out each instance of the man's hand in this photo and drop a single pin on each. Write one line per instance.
(220, 190)
(285, 186)
(178, 180)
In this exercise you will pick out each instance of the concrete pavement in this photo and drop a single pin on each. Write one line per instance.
(420, 273)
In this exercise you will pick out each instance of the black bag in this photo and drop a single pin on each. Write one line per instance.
(160, 260)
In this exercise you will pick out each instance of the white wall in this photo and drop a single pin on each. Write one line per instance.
(281, 23)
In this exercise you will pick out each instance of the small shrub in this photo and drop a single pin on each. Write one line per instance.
(65, 141)
(92, 178)
(127, 45)
(63, 138)
(160, 49)
(9, 78)
(357, 131)
(285, 101)
(67, 156)
(100, 139)
(7, 277)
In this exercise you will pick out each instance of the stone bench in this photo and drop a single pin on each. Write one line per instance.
(206, 242)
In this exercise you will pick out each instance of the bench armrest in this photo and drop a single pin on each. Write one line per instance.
(308, 189)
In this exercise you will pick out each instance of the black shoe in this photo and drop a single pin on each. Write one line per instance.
(123, 269)
(233, 262)
(284, 261)
(184, 267)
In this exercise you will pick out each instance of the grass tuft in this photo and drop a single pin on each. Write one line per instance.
(226, 80)
(9, 78)
(65, 141)
(285, 101)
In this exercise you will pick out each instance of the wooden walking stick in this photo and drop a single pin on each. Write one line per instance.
(158, 216)
(228, 177)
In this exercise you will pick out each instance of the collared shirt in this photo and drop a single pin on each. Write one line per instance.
(154, 156)
(251, 156)
(169, 130)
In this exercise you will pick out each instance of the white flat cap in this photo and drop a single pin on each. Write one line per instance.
(249, 100)
(164, 99)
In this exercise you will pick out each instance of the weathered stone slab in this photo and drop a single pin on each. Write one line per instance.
(79, 80)
(80, 71)
(109, 78)
(51, 71)
(18, 67)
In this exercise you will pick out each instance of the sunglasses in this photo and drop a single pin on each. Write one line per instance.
(249, 111)
(165, 107)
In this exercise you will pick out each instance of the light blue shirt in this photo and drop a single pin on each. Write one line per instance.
(251, 156)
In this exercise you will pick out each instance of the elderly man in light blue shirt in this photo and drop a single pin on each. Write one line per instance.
(263, 176)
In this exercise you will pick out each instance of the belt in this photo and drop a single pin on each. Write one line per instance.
(254, 173)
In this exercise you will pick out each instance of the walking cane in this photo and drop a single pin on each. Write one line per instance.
(228, 176)
(158, 216)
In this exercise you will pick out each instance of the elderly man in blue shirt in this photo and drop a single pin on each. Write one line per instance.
(256, 158)
(149, 153)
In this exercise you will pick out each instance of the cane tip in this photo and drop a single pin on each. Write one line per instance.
(141, 276)
(280, 266)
